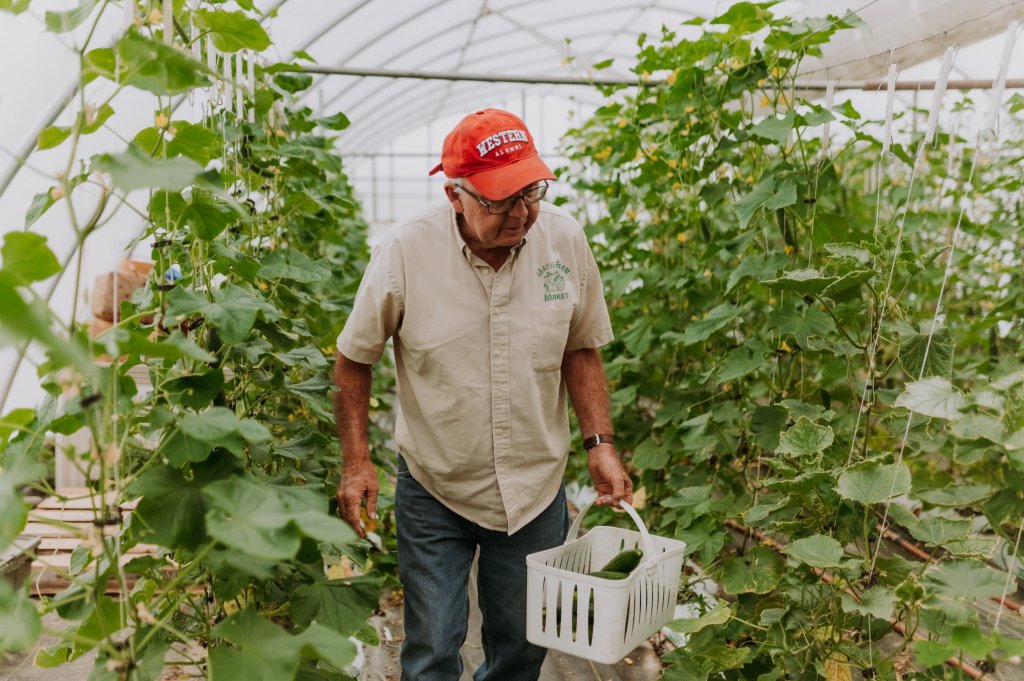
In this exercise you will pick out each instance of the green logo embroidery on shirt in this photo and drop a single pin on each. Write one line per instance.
(553, 277)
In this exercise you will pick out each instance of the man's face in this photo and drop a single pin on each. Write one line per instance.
(481, 230)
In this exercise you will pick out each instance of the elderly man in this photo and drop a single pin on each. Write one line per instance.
(494, 303)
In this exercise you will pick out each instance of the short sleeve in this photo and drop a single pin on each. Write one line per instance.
(377, 311)
(590, 326)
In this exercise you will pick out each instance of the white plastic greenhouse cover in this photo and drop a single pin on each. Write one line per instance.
(398, 124)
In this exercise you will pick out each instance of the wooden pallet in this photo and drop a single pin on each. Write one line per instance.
(64, 523)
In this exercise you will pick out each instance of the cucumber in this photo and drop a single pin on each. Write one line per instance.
(625, 561)
(607, 574)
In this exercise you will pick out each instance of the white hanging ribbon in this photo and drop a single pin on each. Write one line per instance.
(890, 90)
(194, 35)
(168, 22)
(826, 130)
(940, 92)
(228, 93)
(251, 86)
(239, 87)
(1000, 86)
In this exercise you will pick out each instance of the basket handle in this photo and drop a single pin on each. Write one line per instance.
(574, 530)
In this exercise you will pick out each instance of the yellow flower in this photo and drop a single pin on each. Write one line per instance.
(671, 78)
(707, 274)
(726, 387)
(761, 82)
(778, 72)
(735, 64)
(155, 18)
(603, 154)
(784, 346)
(789, 250)
(631, 214)
(764, 101)
(689, 108)
(645, 76)
(161, 121)
(280, 133)
(681, 237)
(672, 163)
(621, 122)
(677, 185)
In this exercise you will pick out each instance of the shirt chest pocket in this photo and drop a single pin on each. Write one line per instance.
(549, 335)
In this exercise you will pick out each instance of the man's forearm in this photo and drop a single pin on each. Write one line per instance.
(584, 378)
(352, 408)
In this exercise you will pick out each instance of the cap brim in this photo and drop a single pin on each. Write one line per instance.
(505, 181)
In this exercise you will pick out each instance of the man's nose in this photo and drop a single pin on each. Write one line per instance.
(519, 208)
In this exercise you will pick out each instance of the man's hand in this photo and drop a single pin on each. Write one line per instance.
(610, 478)
(358, 482)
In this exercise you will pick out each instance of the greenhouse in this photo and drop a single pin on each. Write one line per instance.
(511, 340)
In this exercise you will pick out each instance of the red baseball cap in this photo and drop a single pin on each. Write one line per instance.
(493, 150)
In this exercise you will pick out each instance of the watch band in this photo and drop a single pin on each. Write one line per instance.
(598, 439)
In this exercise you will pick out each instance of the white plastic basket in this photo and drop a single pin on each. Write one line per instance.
(626, 612)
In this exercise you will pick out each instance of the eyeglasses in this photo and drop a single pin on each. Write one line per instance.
(529, 196)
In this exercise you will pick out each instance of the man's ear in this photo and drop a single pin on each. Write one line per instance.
(454, 197)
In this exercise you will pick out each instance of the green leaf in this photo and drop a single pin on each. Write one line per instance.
(27, 258)
(343, 605)
(14, 6)
(197, 142)
(233, 311)
(964, 579)
(217, 423)
(848, 252)
(52, 137)
(133, 169)
(805, 439)
(338, 121)
(738, 363)
(702, 329)
(957, 496)
(171, 510)
(939, 360)
(935, 397)
(847, 281)
(775, 129)
(307, 356)
(971, 641)
(817, 551)
(766, 425)
(232, 31)
(932, 653)
(650, 455)
(720, 614)
(765, 194)
(874, 484)
(759, 572)
(877, 602)
(31, 322)
(154, 67)
(40, 204)
(207, 214)
(62, 22)
(979, 427)
(250, 518)
(294, 265)
(805, 281)
(598, 66)
(22, 625)
(937, 531)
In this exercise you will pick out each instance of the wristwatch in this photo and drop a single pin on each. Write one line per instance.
(599, 439)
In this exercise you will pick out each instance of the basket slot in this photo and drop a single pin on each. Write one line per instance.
(564, 630)
(586, 616)
(551, 594)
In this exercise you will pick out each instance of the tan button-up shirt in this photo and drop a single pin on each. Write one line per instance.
(482, 423)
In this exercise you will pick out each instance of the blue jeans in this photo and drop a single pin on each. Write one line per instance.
(435, 552)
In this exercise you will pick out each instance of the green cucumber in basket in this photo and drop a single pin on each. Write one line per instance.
(624, 561)
(607, 574)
